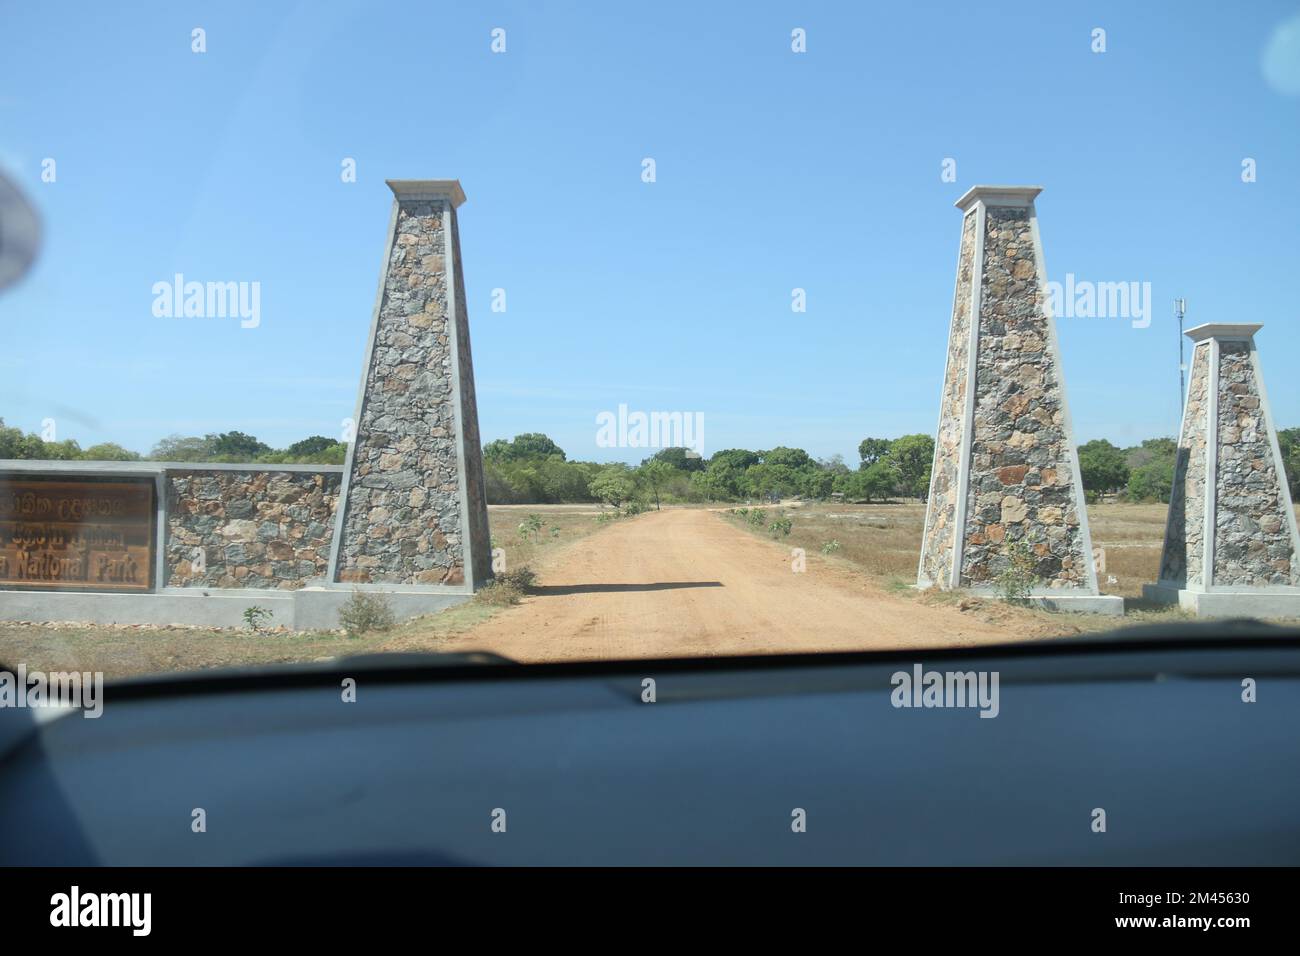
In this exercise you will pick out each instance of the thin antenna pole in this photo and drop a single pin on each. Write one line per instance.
(1180, 310)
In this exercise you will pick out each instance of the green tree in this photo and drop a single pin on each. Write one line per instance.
(109, 451)
(236, 446)
(1152, 482)
(184, 448)
(683, 459)
(734, 457)
(723, 478)
(879, 478)
(871, 450)
(310, 446)
(1102, 466)
(655, 474)
(873, 482)
(816, 483)
(613, 485)
(14, 444)
(911, 457)
(834, 464)
(794, 458)
(528, 446)
(766, 479)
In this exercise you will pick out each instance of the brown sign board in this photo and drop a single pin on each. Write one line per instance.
(76, 535)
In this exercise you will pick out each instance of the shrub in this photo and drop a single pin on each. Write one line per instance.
(831, 546)
(1017, 580)
(780, 526)
(524, 578)
(530, 526)
(508, 587)
(364, 612)
(756, 518)
(1152, 482)
(255, 614)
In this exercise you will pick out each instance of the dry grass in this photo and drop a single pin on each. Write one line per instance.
(127, 650)
(884, 542)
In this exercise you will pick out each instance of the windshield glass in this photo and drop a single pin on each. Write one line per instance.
(796, 331)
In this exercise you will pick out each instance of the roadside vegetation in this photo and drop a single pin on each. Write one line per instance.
(532, 469)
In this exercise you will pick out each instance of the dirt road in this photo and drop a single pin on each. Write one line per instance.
(686, 582)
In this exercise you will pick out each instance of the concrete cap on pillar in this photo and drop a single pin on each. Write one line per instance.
(998, 196)
(1223, 330)
(427, 189)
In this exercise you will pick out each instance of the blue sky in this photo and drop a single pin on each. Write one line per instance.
(775, 170)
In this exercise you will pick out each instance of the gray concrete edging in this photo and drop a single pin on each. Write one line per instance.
(302, 609)
(1242, 603)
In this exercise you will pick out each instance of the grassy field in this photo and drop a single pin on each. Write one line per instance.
(125, 650)
(884, 541)
(879, 540)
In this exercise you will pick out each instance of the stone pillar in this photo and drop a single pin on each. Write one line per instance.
(412, 511)
(1006, 470)
(1231, 546)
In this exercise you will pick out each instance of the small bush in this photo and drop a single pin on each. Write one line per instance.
(831, 546)
(508, 587)
(524, 578)
(365, 612)
(780, 526)
(255, 615)
(756, 518)
(1016, 582)
(530, 526)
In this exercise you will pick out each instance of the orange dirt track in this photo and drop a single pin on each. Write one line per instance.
(686, 583)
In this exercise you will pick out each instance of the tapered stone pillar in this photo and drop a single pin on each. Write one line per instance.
(1231, 546)
(412, 510)
(1006, 470)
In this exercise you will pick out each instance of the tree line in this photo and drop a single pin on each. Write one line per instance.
(234, 447)
(1145, 472)
(532, 469)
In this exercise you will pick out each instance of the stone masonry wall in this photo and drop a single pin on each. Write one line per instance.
(1022, 484)
(1252, 535)
(256, 529)
(1184, 533)
(403, 522)
(941, 506)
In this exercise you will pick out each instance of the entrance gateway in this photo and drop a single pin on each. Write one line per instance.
(199, 543)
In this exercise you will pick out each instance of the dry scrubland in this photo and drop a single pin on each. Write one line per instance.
(879, 542)
(885, 539)
(126, 650)
(884, 542)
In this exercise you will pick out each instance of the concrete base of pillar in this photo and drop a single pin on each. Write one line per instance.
(1111, 605)
(1242, 603)
(304, 609)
